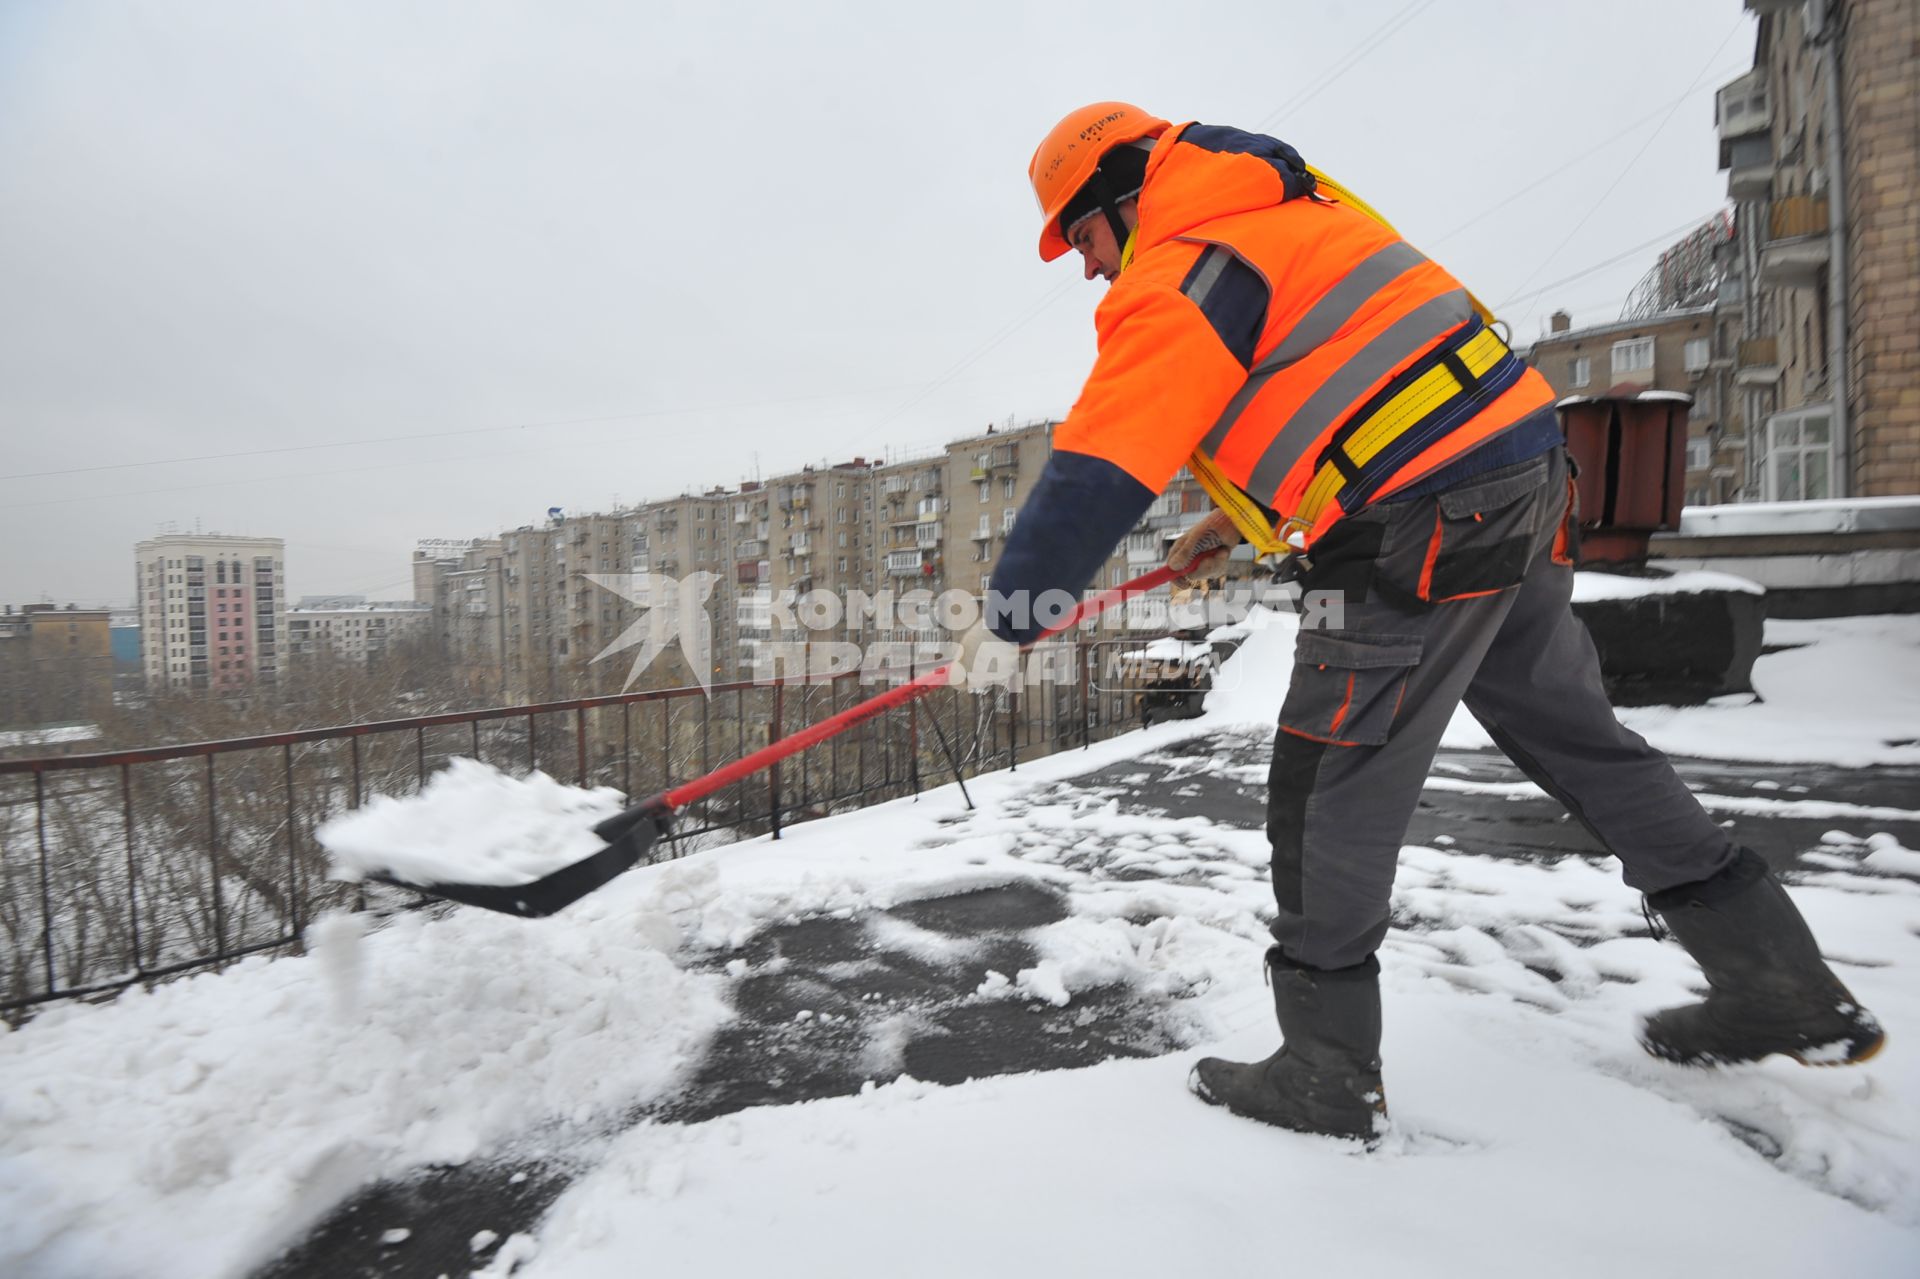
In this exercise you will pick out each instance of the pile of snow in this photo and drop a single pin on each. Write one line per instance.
(1250, 685)
(192, 1131)
(472, 824)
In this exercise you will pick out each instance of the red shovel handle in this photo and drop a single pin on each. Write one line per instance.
(700, 787)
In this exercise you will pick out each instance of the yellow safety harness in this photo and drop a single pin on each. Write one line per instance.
(1373, 432)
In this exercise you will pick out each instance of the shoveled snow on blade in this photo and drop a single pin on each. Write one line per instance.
(473, 824)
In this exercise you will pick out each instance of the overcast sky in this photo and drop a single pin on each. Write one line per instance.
(588, 253)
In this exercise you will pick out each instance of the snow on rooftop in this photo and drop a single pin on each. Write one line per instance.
(1590, 585)
(1839, 515)
(194, 1130)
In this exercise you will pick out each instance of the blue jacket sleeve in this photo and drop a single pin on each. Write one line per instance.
(1075, 516)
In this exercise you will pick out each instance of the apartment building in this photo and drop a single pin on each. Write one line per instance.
(824, 535)
(213, 611)
(681, 538)
(988, 478)
(56, 664)
(349, 628)
(1820, 310)
(1673, 351)
(912, 535)
(464, 585)
(523, 612)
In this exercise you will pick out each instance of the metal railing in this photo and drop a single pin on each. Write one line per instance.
(124, 867)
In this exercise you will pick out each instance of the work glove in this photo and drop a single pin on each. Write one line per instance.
(986, 662)
(1202, 551)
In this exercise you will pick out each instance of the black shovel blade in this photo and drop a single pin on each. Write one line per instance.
(555, 892)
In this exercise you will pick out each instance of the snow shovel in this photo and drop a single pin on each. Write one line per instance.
(632, 833)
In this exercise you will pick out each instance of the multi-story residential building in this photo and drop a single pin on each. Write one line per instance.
(523, 611)
(681, 538)
(464, 583)
(348, 628)
(913, 536)
(1820, 141)
(557, 620)
(588, 550)
(988, 478)
(746, 615)
(212, 610)
(528, 586)
(1668, 352)
(56, 664)
(823, 526)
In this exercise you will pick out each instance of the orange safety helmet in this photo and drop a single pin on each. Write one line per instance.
(1070, 154)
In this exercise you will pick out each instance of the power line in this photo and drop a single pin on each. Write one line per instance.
(1379, 36)
(1544, 178)
(1594, 206)
(1663, 238)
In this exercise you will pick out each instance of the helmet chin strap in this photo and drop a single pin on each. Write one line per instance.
(1102, 191)
(1120, 232)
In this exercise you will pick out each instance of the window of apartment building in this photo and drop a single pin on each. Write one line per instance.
(1635, 355)
(1006, 488)
(1699, 453)
(1799, 463)
(843, 539)
(1582, 371)
(846, 515)
(986, 491)
(1694, 354)
(1006, 519)
(986, 526)
(843, 563)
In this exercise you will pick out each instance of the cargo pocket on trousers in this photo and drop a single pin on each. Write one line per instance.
(1482, 537)
(1347, 689)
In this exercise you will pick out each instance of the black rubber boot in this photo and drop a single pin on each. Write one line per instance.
(1326, 1077)
(1769, 990)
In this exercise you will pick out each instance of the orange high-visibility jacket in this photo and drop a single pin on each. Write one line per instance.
(1254, 320)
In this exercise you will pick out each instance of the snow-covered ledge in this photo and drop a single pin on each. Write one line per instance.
(1816, 559)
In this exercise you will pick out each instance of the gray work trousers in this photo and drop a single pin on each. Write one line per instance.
(1459, 595)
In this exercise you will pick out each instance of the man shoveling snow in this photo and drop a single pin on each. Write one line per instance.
(1345, 399)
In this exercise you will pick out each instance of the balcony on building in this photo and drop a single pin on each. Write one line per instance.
(1000, 457)
(1797, 247)
(1742, 109)
(903, 563)
(896, 484)
(1758, 363)
(751, 549)
(1749, 166)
